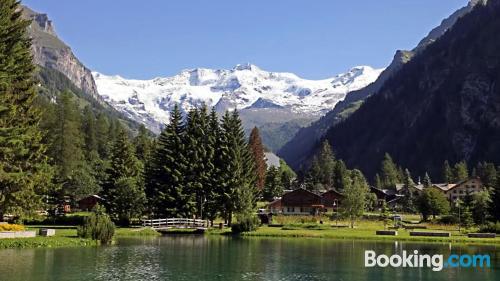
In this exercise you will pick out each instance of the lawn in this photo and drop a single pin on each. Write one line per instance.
(364, 230)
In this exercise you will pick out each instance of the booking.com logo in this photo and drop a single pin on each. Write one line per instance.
(436, 262)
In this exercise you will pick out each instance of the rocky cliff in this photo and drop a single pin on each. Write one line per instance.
(51, 52)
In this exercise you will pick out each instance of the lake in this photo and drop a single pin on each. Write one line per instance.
(192, 257)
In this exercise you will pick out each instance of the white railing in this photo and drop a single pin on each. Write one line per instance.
(175, 223)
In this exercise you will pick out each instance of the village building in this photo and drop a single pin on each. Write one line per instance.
(452, 191)
(304, 202)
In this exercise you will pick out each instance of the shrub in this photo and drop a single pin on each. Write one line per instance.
(97, 226)
(245, 224)
(59, 220)
(11, 227)
(490, 228)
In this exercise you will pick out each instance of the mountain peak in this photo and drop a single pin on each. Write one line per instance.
(246, 66)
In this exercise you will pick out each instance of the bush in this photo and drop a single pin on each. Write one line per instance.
(490, 228)
(245, 224)
(59, 220)
(11, 227)
(448, 220)
(98, 226)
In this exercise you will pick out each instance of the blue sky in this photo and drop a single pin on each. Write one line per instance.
(312, 38)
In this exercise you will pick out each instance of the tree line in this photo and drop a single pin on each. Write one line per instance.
(326, 172)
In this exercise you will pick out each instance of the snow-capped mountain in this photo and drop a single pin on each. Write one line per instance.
(243, 87)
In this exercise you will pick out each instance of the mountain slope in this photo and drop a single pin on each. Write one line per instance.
(51, 52)
(297, 149)
(263, 97)
(60, 70)
(442, 105)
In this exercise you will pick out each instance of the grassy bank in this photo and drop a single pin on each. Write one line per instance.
(65, 237)
(365, 230)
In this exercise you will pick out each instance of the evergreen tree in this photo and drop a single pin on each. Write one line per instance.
(257, 150)
(239, 191)
(384, 214)
(67, 149)
(408, 201)
(466, 218)
(103, 139)
(287, 175)
(313, 176)
(495, 198)
(448, 176)
(213, 189)
(389, 173)
(25, 175)
(326, 162)
(427, 181)
(166, 183)
(378, 181)
(143, 144)
(461, 171)
(89, 130)
(341, 176)
(124, 191)
(273, 186)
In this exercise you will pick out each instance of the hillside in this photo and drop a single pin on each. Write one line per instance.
(297, 149)
(442, 105)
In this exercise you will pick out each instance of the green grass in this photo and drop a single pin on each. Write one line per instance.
(365, 230)
(65, 237)
(134, 232)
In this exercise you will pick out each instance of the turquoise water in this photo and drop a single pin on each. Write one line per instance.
(225, 258)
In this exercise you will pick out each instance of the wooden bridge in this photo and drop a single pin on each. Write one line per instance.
(176, 223)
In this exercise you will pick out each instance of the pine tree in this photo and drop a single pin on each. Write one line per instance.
(461, 171)
(408, 201)
(25, 175)
(389, 173)
(341, 175)
(124, 191)
(143, 144)
(313, 177)
(89, 130)
(427, 181)
(326, 162)
(213, 189)
(166, 182)
(447, 172)
(257, 150)
(103, 140)
(273, 186)
(378, 181)
(481, 203)
(238, 170)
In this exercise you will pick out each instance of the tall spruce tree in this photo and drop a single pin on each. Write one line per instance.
(461, 172)
(389, 173)
(166, 182)
(25, 175)
(124, 191)
(257, 149)
(273, 186)
(213, 189)
(326, 161)
(238, 172)
(448, 176)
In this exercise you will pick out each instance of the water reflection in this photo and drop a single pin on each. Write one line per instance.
(227, 258)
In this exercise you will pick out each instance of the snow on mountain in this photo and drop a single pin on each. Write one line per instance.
(244, 86)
